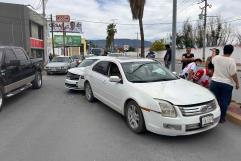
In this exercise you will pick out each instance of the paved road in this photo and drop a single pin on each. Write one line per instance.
(52, 124)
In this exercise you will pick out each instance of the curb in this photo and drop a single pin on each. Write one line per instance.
(232, 116)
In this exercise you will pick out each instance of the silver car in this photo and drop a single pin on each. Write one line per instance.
(60, 64)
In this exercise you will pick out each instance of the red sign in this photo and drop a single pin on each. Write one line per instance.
(62, 18)
(36, 43)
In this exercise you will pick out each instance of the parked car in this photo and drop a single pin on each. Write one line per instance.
(151, 97)
(18, 72)
(76, 75)
(60, 64)
(97, 51)
(77, 58)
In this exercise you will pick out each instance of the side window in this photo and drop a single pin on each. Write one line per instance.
(20, 54)
(9, 55)
(101, 67)
(114, 70)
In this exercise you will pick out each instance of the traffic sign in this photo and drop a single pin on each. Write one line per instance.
(62, 18)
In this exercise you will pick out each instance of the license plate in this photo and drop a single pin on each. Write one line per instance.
(53, 70)
(206, 120)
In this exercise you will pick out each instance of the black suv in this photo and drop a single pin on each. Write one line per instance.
(18, 72)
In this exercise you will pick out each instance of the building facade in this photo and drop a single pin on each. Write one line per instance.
(23, 27)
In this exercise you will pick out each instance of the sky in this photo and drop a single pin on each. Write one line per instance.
(95, 15)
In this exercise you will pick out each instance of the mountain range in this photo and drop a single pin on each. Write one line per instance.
(121, 42)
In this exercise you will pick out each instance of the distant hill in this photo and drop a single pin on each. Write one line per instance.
(121, 43)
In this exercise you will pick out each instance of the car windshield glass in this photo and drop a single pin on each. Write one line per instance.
(60, 59)
(143, 72)
(75, 57)
(87, 62)
(96, 52)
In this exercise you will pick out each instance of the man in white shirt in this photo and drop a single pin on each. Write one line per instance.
(224, 79)
(190, 69)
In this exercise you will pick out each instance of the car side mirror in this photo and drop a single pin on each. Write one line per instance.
(14, 63)
(115, 79)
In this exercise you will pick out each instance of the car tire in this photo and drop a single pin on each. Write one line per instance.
(37, 82)
(1, 98)
(89, 93)
(134, 117)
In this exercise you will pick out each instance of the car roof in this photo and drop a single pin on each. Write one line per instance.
(123, 59)
(2, 47)
(61, 56)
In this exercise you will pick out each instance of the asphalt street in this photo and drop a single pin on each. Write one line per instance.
(54, 124)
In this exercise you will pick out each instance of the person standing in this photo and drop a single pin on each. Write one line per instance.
(50, 57)
(168, 56)
(187, 58)
(214, 53)
(224, 78)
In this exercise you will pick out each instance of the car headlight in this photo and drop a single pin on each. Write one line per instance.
(167, 109)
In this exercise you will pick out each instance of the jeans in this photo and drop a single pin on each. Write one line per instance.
(167, 64)
(223, 93)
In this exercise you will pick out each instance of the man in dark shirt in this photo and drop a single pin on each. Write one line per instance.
(187, 58)
(168, 56)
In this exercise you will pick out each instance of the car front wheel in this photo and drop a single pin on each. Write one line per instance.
(1, 99)
(134, 117)
(89, 93)
(37, 82)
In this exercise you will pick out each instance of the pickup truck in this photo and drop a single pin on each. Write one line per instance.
(18, 72)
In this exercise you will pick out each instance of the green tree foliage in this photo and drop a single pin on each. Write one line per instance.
(137, 10)
(111, 31)
(158, 45)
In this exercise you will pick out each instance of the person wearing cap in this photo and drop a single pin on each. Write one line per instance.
(187, 58)
(215, 52)
(224, 79)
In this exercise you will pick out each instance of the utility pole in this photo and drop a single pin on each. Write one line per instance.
(137, 55)
(63, 37)
(52, 33)
(205, 29)
(204, 16)
(43, 5)
(174, 34)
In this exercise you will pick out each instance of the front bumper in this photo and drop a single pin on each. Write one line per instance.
(56, 70)
(178, 126)
(72, 84)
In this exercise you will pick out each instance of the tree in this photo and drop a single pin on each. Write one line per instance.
(188, 38)
(111, 31)
(137, 9)
(158, 45)
(238, 35)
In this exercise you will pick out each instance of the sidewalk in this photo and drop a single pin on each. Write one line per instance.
(234, 113)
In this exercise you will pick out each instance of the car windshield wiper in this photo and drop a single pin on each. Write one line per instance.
(139, 67)
(162, 80)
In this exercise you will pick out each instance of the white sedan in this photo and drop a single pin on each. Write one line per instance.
(151, 97)
(76, 75)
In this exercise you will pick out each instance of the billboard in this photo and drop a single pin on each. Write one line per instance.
(69, 27)
(70, 40)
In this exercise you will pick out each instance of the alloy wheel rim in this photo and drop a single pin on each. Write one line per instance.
(39, 80)
(88, 92)
(133, 117)
(1, 99)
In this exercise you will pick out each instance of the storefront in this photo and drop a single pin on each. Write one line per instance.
(24, 28)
